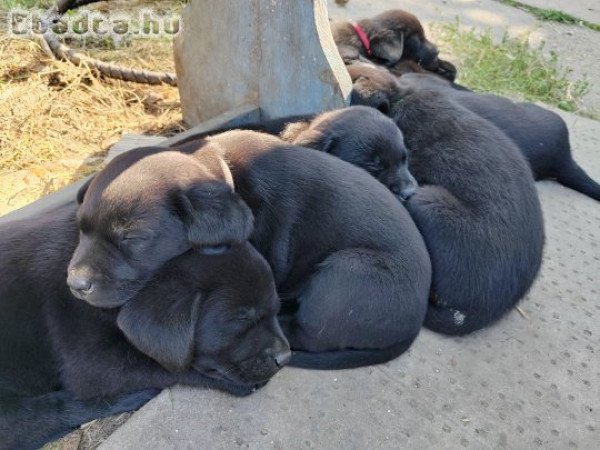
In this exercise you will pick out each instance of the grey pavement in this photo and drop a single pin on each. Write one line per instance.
(531, 381)
(578, 48)
(582, 9)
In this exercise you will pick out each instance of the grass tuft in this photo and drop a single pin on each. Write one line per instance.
(511, 67)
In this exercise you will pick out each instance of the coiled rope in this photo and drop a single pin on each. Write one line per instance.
(62, 51)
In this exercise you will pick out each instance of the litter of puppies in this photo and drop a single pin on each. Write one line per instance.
(323, 242)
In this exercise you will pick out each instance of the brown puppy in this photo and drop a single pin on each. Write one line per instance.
(388, 37)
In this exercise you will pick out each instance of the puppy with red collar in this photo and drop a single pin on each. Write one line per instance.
(385, 38)
(390, 38)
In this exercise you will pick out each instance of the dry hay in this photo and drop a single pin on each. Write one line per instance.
(58, 121)
(90, 435)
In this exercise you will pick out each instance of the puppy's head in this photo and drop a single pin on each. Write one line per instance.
(213, 312)
(145, 208)
(366, 138)
(372, 86)
(396, 34)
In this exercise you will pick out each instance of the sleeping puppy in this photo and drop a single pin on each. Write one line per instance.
(129, 230)
(477, 208)
(385, 38)
(376, 86)
(361, 136)
(541, 135)
(206, 318)
(349, 263)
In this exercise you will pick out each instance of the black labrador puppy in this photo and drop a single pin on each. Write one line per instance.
(206, 318)
(361, 136)
(541, 135)
(349, 263)
(344, 254)
(477, 208)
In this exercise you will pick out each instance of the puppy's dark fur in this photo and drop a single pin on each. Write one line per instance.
(393, 35)
(361, 136)
(348, 261)
(541, 135)
(65, 362)
(477, 210)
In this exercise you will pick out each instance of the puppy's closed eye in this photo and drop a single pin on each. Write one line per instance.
(215, 250)
(131, 241)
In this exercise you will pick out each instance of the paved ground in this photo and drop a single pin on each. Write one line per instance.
(582, 9)
(577, 47)
(529, 382)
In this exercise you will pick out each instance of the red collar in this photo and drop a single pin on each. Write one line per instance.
(363, 36)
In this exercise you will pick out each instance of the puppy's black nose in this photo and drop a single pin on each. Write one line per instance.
(408, 192)
(79, 282)
(283, 358)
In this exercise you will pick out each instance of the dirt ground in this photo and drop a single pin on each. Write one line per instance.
(58, 120)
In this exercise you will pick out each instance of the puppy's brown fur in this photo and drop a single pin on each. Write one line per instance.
(393, 34)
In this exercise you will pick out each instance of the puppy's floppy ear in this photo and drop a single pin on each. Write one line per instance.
(365, 92)
(162, 329)
(388, 46)
(316, 138)
(214, 214)
(292, 130)
(83, 189)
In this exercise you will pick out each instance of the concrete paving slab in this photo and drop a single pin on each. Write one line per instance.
(577, 47)
(531, 381)
(582, 9)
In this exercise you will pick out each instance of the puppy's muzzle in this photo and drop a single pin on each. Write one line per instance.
(405, 188)
(80, 282)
